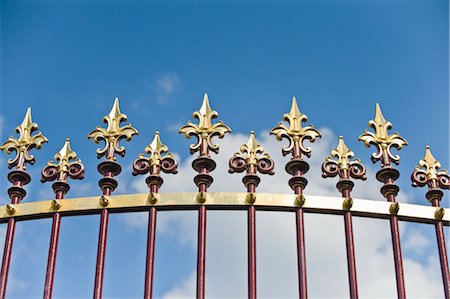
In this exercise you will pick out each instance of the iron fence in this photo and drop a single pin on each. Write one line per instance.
(250, 160)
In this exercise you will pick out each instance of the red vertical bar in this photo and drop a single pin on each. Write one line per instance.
(252, 252)
(52, 252)
(9, 240)
(101, 253)
(201, 252)
(101, 250)
(351, 263)
(301, 254)
(398, 261)
(51, 262)
(443, 258)
(7, 250)
(150, 258)
(350, 246)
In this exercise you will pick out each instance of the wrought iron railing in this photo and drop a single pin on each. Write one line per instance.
(252, 160)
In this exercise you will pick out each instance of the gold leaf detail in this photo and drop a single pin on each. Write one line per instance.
(24, 144)
(295, 133)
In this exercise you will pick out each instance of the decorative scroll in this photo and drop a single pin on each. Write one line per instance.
(65, 165)
(343, 165)
(156, 161)
(427, 173)
(251, 157)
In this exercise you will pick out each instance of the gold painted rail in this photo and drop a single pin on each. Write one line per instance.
(221, 201)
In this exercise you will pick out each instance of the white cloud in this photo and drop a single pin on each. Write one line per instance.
(277, 269)
(166, 85)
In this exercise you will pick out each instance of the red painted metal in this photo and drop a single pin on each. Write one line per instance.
(351, 263)
(350, 246)
(398, 261)
(301, 253)
(252, 252)
(101, 250)
(150, 256)
(51, 262)
(251, 228)
(9, 240)
(201, 252)
(52, 252)
(443, 258)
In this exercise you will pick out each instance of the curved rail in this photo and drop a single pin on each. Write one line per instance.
(223, 201)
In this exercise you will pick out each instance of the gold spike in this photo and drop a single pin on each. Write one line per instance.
(23, 145)
(113, 133)
(205, 109)
(295, 112)
(296, 134)
(430, 165)
(205, 130)
(115, 116)
(381, 139)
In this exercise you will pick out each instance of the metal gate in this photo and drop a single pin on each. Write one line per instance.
(251, 160)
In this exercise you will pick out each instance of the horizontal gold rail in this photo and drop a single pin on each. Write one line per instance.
(222, 201)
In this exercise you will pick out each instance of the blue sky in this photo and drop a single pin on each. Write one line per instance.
(69, 59)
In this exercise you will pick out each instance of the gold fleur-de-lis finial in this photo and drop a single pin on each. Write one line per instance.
(23, 145)
(343, 166)
(253, 150)
(382, 140)
(251, 157)
(205, 130)
(113, 133)
(65, 164)
(295, 133)
(428, 172)
(157, 160)
(343, 154)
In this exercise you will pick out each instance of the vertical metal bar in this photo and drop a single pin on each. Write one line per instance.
(443, 258)
(251, 231)
(150, 257)
(440, 237)
(400, 277)
(201, 252)
(351, 263)
(51, 262)
(350, 246)
(9, 240)
(301, 254)
(101, 250)
(52, 252)
(7, 251)
(301, 245)
(252, 252)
